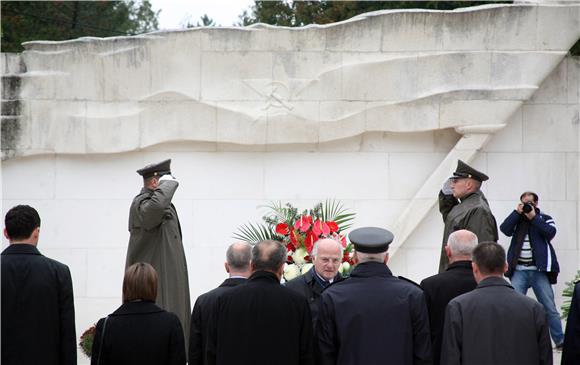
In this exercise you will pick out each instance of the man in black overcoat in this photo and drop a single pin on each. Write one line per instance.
(372, 317)
(261, 322)
(457, 279)
(38, 316)
(237, 265)
(326, 258)
(494, 324)
(571, 351)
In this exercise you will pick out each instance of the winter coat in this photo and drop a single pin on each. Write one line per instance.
(156, 239)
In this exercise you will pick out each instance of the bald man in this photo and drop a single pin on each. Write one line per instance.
(326, 257)
(237, 265)
(457, 279)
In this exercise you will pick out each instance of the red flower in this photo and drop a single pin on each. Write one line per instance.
(303, 223)
(320, 228)
(290, 247)
(309, 241)
(282, 228)
(342, 240)
(332, 226)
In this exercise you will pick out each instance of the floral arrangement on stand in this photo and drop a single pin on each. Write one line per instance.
(299, 231)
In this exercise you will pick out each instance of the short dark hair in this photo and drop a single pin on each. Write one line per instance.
(268, 255)
(140, 282)
(21, 221)
(238, 255)
(489, 257)
(534, 195)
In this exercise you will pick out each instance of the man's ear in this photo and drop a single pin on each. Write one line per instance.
(505, 267)
(227, 267)
(355, 258)
(447, 251)
(6, 234)
(386, 258)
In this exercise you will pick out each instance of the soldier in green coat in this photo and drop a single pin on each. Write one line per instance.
(463, 206)
(156, 239)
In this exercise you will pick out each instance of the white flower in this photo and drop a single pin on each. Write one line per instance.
(298, 256)
(305, 268)
(345, 266)
(291, 271)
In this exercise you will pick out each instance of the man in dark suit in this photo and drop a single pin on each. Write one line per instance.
(261, 322)
(326, 257)
(494, 324)
(457, 279)
(372, 317)
(238, 267)
(38, 319)
(571, 351)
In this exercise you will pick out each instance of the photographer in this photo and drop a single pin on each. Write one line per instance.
(531, 257)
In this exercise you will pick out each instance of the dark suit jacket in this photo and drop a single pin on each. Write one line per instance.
(571, 353)
(38, 317)
(260, 323)
(139, 333)
(439, 290)
(200, 318)
(494, 324)
(309, 287)
(373, 318)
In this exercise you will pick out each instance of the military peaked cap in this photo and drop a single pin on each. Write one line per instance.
(463, 170)
(371, 239)
(156, 169)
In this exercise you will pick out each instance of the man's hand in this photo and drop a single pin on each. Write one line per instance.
(531, 214)
(167, 178)
(446, 189)
(520, 208)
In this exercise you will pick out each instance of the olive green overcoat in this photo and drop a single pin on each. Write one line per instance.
(155, 237)
(471, 213)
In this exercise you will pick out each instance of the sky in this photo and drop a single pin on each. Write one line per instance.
(176, 13)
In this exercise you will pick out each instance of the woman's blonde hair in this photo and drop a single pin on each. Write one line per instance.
(140, 282)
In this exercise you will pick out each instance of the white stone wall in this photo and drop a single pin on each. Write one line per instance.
(85, 136)
(84, 200)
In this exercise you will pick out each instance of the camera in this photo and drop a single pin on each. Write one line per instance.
(527, 207)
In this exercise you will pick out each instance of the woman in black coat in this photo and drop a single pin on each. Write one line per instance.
(139, 332)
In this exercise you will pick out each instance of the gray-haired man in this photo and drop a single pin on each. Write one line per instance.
(237, 265)
(326, 257)
(456, 280)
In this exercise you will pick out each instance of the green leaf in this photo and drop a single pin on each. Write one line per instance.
(254, 233)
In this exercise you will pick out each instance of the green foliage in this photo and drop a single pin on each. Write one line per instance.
(206, 21)
(87, 339)
(567, 294)
(300, 13)
(24, 21)
(254, 233)
(334, 211)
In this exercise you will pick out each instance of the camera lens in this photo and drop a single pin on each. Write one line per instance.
(527, 208)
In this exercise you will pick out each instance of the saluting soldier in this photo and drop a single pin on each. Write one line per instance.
(372, 317)
(156, 239)
(463, 206)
